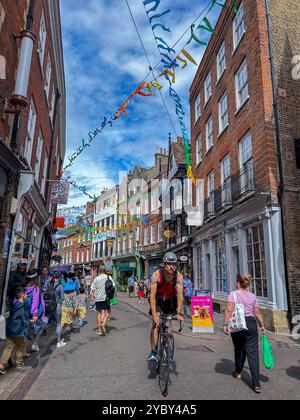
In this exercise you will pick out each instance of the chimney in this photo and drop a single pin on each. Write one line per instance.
(159, 156)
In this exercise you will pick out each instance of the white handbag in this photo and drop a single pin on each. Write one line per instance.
(238, 321)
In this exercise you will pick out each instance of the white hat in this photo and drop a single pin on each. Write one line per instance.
(24, 261)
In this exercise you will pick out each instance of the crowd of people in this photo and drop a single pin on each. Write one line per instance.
(38, 300)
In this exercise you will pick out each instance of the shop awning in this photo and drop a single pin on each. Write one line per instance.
(126, 267)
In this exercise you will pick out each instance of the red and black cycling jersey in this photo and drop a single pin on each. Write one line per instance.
(166, 290)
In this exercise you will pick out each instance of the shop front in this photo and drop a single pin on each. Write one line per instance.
(28, 234)
(124, 270)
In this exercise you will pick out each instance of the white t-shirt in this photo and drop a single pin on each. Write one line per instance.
(99, 287)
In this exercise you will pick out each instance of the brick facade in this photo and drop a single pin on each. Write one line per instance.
(15, 17)
(285, 23)
(233, 223)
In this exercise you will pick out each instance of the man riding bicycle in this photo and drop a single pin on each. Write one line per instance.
(166, 297)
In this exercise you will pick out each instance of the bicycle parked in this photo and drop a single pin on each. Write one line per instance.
(165, 351)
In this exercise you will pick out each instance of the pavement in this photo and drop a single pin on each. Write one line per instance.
(115, 367)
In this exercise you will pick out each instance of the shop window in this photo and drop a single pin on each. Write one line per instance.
(221, 266)
(257, 260)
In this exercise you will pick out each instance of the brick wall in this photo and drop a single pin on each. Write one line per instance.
(256, 115)
(285, 20)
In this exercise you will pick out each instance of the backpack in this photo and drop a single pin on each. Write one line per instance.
(109, 289)
(49, 298)
(28, 303)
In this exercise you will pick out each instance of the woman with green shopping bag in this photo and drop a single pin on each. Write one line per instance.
(241, 317)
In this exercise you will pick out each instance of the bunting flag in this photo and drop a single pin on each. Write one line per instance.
(121, 111)
(188, 56)
(169, 71)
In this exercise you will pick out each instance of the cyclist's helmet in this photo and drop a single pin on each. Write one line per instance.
(170, 257)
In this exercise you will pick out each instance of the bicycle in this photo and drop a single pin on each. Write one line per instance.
(165, 352)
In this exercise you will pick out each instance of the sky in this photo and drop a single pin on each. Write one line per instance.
(104, 63)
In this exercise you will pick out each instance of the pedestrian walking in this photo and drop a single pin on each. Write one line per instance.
(81, 307)
(54, 298)
(187, 295)
(141, 292)
(101, 294)
(246, 343)
(17, 329)
(17, 278)
(36, 308)
(45, 279)
(88, 280)
(130, 288)
(69, 303)
(136, 287)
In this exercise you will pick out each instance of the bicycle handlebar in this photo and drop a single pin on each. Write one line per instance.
(172, 318)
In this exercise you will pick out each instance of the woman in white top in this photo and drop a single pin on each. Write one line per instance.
(246, 342)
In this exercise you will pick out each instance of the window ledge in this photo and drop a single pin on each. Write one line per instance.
(225, 209)
(246, 197)
(221, 76)
(237, 46)
(198, 164)
(209, 150)
(207, 101)
(223, 131)
(242, 106)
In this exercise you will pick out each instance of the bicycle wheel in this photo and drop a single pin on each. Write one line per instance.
(164, 367)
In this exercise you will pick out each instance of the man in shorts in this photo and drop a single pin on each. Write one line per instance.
(131, 281)
(166, 297)
(98, 294)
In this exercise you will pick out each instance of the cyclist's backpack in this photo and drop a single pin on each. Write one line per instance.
(109, 289)
(49, 298)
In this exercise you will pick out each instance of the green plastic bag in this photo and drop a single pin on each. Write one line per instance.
(267, 352)
(114, 301)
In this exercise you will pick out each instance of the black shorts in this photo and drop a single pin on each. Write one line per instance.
(103, 306)
(131, 289)
(166, 307)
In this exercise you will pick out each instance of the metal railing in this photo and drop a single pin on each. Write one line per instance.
(232, 190)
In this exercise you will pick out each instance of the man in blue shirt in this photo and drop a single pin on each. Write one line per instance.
(187, 294)
(130, 289)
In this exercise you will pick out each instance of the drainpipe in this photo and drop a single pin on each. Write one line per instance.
(19, 102)
(279, 149)
(19, 98)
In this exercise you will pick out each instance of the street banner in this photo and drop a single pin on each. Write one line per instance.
(59, 192)
(202, 312)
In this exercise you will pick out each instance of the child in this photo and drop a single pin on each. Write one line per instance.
(81, 306)
(141, 292)
(17, 329)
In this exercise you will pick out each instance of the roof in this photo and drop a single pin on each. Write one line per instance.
(177, 149)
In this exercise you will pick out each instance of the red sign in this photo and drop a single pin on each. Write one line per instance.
(59, 222)
(59, 193)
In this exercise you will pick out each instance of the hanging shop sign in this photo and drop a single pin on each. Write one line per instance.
(60, 192)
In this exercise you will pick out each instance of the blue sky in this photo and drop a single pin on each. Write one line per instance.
(104, 63)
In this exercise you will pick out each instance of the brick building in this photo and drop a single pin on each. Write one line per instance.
(32, 127)
(104, 235)
(152, 231)
(175, 224)
(235, 153)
